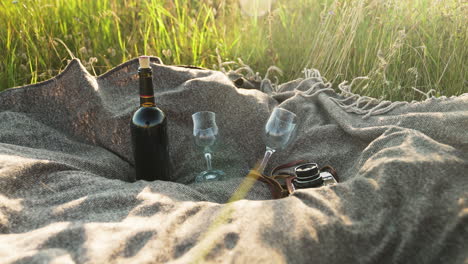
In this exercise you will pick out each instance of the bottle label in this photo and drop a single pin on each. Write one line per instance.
(146, 88)
(147, 101)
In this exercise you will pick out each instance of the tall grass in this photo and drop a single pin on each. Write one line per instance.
(405, 48)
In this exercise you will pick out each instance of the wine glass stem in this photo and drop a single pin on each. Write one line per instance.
(208, 160)
(269, 151)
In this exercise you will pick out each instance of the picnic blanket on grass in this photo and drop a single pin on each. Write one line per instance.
(67, 190)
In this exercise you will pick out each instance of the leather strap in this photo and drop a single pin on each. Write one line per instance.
(287, 165)
(277, 191)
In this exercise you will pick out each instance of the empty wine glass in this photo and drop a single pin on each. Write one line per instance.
(206, 133)
(279, 131)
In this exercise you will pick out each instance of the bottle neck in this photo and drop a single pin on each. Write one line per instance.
(146, 87)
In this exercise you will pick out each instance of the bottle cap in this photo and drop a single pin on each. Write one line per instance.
(144, 61)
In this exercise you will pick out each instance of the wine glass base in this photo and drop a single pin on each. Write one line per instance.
(211, 175)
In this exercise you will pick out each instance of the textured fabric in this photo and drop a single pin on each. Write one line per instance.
(66, 172)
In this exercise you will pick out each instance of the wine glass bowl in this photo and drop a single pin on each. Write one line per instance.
(204, 120)
(205, 137)
(279, 129)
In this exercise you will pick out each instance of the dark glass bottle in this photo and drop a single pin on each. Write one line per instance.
(149, 131)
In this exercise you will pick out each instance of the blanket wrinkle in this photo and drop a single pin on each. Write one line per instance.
(68, 195)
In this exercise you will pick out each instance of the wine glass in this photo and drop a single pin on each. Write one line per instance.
(279, 131)
(206, 133)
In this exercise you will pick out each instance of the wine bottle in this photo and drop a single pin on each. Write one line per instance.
(149, 131)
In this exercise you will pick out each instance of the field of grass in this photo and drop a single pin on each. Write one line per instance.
(399, 45)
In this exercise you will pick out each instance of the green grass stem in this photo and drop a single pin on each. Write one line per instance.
(406, 48)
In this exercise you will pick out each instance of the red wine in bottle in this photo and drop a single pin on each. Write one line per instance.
(149, 131)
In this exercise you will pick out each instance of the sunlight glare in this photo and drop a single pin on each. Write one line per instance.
(256, 8)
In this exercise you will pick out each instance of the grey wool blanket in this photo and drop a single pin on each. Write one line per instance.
(68, 195)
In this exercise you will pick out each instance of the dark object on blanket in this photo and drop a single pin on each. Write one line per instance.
(242, 82)
(309, 176)
(149, 131)
(285, 179)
